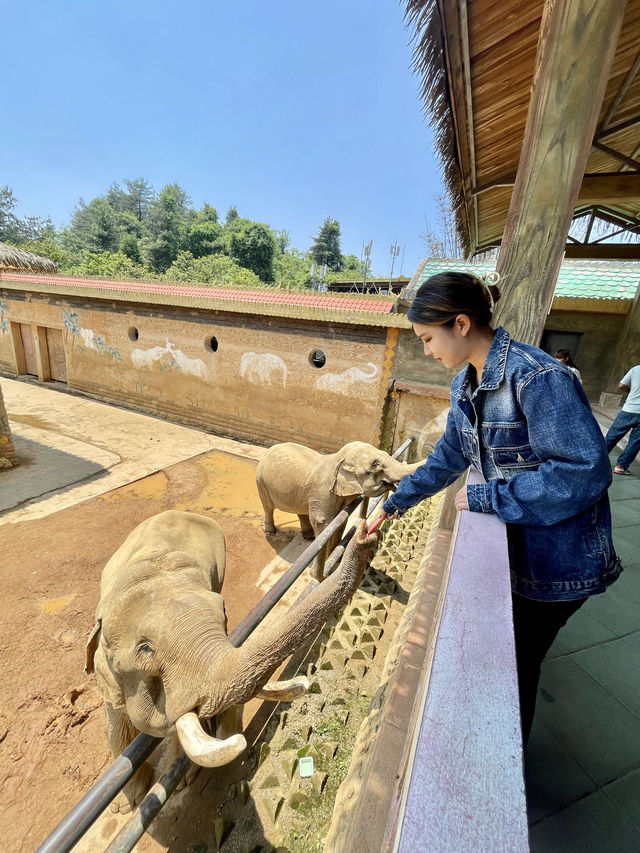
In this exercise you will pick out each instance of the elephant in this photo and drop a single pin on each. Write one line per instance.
(316, 486)
(159, 646)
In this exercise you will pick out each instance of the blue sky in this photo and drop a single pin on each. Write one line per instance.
(292, 111)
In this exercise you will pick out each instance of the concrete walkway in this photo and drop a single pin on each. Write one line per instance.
(72, 448)
(583, 760)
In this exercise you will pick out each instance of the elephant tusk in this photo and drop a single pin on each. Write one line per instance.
(284, 691)
(204, 750)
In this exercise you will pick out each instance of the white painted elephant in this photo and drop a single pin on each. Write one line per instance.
(159, 646)
(316, 486)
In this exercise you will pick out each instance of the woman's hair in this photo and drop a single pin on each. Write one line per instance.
(442, 297)
(564, 356)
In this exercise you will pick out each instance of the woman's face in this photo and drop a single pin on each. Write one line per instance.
(447, 344)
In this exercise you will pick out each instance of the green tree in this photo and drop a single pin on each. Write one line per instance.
(254, 247)
(130, 246)
(166, 227)
(93, 228)
(114, 265)
(326, 245)
(283, 240)
(207, 213)
(232, 214)
(211, 269)
(205, 239)
(15, 230)
(292, 269)
(140, 197)
(49, 246)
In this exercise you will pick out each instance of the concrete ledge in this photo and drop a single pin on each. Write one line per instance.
(464, 788)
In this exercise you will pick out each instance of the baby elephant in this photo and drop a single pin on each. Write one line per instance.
(316, 486)
(159, 646)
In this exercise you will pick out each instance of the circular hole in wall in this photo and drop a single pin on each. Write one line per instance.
(317, 358)
(133, 333)
(211, 344)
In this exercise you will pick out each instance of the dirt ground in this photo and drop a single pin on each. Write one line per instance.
(53, 743)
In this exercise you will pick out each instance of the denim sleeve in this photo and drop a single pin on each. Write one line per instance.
(442, 467)
(575, 469)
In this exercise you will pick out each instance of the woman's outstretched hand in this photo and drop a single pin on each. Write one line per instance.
(460, 499)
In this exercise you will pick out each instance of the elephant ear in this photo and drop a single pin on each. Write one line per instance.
(92, 645)
(345, 481)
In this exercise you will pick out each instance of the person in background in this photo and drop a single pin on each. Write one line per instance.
(628, 418)
(564, 356)
(523, 421)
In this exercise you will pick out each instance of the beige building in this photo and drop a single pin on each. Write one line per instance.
(263, 365)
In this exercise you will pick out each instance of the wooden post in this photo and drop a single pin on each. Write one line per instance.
(575, 50)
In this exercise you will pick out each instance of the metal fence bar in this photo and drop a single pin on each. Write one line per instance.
(158, 795)
(71, 828)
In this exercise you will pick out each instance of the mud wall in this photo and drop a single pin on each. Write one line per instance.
(248, 377)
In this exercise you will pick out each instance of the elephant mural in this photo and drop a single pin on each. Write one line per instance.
(316, 486)
(159, 646)
(340, 383)
(263, 369)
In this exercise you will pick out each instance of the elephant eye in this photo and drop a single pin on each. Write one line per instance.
(375, 465)
(144, 648)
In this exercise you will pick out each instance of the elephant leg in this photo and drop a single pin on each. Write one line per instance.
(319, 524)
(305, 527)
(121, 733)
(268, 506)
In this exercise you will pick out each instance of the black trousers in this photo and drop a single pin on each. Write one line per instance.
(535, 625)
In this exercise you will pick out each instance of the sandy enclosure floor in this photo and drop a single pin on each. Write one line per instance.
(53, 743)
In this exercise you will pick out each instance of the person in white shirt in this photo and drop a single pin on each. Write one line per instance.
(628, 419)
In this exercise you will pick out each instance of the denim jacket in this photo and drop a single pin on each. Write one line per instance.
(529, 430)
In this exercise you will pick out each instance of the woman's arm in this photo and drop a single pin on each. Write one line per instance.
(575, 468)
(442, 467)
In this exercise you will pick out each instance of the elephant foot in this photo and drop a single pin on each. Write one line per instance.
(134, 792)
(270, 529)
(308, 534)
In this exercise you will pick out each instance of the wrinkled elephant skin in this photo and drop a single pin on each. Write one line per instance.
(159, 646)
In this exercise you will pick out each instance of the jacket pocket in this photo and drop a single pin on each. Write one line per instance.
(508, 445)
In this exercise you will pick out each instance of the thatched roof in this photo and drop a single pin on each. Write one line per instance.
(19, 260)
(476, 61)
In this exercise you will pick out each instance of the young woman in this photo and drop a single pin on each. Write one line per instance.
(524, 422)
(564, 356)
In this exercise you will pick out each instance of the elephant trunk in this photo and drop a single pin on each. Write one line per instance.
(397, 470)
(265, 649)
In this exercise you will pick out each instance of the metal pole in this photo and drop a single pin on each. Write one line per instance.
(158, 795)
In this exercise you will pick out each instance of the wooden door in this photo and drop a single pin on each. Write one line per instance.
(29, 346)
(57, 361)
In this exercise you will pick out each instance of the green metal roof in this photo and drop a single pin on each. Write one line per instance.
(577, 279)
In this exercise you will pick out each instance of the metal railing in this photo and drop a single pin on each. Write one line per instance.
(72, 827)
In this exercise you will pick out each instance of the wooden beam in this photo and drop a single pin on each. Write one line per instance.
(622, 91)
(631, 162)
(604, 251)
(576, 47)
(603, 189)
(615, 129)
